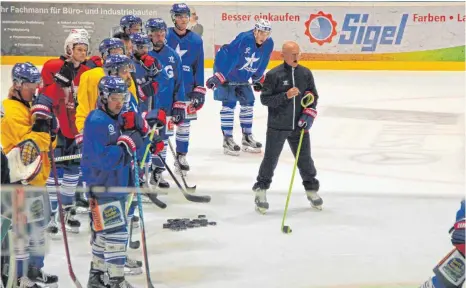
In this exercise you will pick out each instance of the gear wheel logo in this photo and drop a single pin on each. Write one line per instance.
(320, 28)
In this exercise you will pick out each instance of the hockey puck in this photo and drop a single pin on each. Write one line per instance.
(201, 216)
(134, 245)
(286, 229)
(213, 223)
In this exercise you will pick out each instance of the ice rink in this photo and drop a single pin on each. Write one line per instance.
(389, 151)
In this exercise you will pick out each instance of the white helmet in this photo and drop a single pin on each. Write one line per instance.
(263, 25)
(82, 32)
(74, 39)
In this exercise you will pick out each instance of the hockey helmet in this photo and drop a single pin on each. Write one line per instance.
(112, 87)
(263, 25)
(108, 44)
(179, 9)
(75, 39)
(154, 24)
(116, 64)
(25, 73)
(128, 21)
(140, 41)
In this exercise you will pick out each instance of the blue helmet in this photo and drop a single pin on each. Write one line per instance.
(112, 85)
(154, 24)
(129, 20)
(25, 73)
(110, 43)
(140, 40)
(113, 63)
(178, 9)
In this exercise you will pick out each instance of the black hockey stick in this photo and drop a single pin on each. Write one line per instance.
(189, 197)
(188, 188)
(153, 196)
(135, 244)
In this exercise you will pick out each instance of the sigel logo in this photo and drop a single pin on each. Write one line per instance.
(354, 31)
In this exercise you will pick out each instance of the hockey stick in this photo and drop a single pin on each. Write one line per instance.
(68, 158)
(62, 220)
(141, 218)
(188, 188)
(135, 244)
(189, 197)
(154, 200)
(305, 101)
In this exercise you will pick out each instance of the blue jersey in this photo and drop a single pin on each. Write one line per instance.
(460, 214)
(103, 161)
(171, 63)
(242, 60)
(144, 87)
(191, 51)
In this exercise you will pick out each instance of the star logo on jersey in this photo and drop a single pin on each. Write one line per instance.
(171, 59)
(179, 51)
(249, 62)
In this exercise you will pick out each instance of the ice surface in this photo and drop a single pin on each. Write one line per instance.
(389, 150)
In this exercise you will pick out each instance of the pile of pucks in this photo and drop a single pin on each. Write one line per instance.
(185, 223)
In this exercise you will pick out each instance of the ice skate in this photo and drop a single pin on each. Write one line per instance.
(250, 145)
(181, 165)
(25, 282)
(314, 198)
(71, 224)
(41, 278)
(97, 279)
(261, 200)
(157, 179)
(119, 282)
(53, 229)
(230, 147)
(82, 204)
(132, 267)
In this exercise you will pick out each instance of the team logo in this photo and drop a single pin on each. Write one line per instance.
(320, 28)
(249, 62)
(171, 59)
(111, 129)
(169, 70)
(248, 49)
(285, 83)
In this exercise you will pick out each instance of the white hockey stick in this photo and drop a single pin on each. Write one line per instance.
(68, 158)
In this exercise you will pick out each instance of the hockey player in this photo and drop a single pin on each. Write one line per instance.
(189, 47)
(63, 105)
(87, 91)
(450, 272)
(107, 155)
(246, 57)
(21, 122)
(156, 28)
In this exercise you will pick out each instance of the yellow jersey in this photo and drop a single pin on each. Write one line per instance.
(88, 93)
(16, 127)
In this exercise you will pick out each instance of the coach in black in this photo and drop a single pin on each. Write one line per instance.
(283, 90)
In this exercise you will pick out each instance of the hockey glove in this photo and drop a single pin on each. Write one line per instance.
(75, 147)
(148, 89)
(133, 121)
(258, 84)
(197, 97)
(65, 76)
(96, 60)
(42, 107)
(178, 112)
(147, 60)
(215, 81)
(307, 118)
(156, 117)
(457, 237)
(157, 145)
(130, 141)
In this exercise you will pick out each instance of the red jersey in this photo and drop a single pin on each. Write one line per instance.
(64, 99)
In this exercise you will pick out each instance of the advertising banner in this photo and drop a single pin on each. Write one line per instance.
(337, 34)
